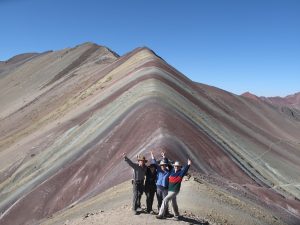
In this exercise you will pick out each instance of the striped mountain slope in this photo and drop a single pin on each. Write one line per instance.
(67, 116)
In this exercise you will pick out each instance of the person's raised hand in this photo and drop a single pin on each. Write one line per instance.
(163, 154)
(152, 156)
(123, 155)
(189, 162)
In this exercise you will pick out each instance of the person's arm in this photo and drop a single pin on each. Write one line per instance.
(155, 162)
(152, 156)
(170, 167)
(130, 163)
(163, 155)
(185, 169)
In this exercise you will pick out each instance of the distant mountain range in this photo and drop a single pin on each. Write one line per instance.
(289, 100)
(289, 105)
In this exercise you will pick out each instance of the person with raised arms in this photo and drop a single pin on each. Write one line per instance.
(139, 172)
(175, 179)
(162, 181)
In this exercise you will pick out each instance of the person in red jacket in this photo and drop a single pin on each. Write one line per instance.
(175, 179)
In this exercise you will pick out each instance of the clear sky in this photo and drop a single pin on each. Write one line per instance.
(236, 45)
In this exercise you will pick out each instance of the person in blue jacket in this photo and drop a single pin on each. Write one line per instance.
(162, 182)
(175, 178)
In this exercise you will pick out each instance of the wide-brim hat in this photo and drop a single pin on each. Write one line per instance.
(177, 164)
(163, 162)
(142, 159)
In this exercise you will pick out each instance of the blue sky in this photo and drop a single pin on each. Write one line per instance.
(236, 45)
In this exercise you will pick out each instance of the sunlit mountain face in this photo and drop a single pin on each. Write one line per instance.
(67, 116)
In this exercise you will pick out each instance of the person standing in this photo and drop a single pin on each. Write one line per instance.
(175, 179)
(150, 186)
(162, 182)
(139, 172)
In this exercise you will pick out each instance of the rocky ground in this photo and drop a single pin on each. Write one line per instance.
(199, 203)
(123, 215)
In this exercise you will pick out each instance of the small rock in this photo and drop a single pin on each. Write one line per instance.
(101, 211)
(88, 215)
(275, 218)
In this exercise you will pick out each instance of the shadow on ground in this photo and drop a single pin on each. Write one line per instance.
(193, 221)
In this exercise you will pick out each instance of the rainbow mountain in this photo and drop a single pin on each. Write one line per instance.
(68, 115)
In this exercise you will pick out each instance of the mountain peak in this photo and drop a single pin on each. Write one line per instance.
(250, 95)
(92, 44)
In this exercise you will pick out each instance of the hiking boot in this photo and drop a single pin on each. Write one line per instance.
(177, 218)
(169, 215)
(135, 212)
(152, 212)
(159, 217)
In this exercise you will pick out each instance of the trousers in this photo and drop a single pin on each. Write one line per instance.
(170, 197)
(138, 189)
(161, 193)
(150, 192)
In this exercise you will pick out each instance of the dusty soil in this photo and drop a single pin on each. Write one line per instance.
(198, 203)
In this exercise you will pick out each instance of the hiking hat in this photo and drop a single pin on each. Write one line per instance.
(176, 164)
(163, 162)
(142, 159)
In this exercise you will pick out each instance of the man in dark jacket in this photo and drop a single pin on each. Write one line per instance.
(150, 186)
(139, 172)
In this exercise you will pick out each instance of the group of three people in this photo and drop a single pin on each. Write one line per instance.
(164, 179)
